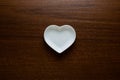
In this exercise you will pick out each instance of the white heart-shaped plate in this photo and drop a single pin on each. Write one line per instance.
(59, 38)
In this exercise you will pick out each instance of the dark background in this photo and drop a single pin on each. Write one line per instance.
(94, 56)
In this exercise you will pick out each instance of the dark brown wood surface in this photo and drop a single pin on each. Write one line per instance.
(94, 56)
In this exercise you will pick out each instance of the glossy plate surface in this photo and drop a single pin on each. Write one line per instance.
(59, 38)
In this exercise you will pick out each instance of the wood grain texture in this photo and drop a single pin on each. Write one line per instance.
(25, 56)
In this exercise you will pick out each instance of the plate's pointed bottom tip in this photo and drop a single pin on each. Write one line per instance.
(59, 52)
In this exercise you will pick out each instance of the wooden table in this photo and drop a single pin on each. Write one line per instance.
(94, 56)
